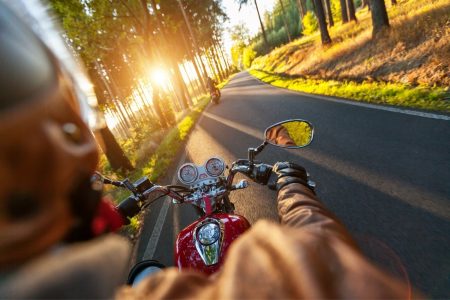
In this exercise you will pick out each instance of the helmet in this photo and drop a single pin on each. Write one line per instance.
(47, 151)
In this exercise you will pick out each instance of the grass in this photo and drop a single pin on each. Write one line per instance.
(397, 94)
(415, 50)
(162, 158)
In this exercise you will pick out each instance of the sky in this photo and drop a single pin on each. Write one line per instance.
(247, 15)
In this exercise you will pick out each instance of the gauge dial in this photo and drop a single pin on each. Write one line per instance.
(187, 173)
(215, 167)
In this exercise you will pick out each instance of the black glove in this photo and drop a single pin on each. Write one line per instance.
(261, 173)
(284, 173)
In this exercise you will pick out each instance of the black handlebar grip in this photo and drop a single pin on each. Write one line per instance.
(128, 208)
(261, 173)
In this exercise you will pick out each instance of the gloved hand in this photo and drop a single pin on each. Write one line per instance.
(284, 173)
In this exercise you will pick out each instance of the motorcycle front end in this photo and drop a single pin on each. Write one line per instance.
(203, 245)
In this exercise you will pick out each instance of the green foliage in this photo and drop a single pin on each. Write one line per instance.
(336, 10)
(310, 24)
(300, 132)
(375, 92)
(248, 56)
(236, 54)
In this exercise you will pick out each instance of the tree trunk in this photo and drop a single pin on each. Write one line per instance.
(202, 64)
(157, 106)
(262, 27)
(364, 3)
(344, 11)
(218, 48)
(219, 63)
(211, 67)
(322, 22)
(194, 85)
(329, 13)
(301, 9)
(184, 92)
(191, 56)
(194, 41)
(112, 150)
(285, 22)
(380, 18)
(351, 11)
(222, 55)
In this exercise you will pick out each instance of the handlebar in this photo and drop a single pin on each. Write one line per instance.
(143, 188)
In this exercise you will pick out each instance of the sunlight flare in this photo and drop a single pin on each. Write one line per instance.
(159, 76)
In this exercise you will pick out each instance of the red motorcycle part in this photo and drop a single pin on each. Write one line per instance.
(186, 253)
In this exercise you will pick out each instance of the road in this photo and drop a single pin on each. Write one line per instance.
(386, 175)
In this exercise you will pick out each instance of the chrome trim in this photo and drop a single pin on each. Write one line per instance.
(210, 254)
(185, 165)
(223, 166)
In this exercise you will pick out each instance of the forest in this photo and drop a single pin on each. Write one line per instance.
(392, 52)
(148, 62)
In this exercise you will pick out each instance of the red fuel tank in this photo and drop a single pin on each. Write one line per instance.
(189, 251)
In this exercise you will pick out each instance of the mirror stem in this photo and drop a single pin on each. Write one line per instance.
(252, 152)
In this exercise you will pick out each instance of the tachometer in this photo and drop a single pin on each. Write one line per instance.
(187, 173)
(215, 166)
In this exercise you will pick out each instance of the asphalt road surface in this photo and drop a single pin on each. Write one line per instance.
(384, 172)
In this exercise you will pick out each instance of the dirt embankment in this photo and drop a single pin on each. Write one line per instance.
(415, 50)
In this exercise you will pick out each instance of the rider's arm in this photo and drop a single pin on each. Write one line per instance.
(310, 255)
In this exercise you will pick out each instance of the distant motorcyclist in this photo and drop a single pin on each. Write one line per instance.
(211, 84)
(49, 211)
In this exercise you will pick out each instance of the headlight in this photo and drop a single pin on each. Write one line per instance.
(208, 234)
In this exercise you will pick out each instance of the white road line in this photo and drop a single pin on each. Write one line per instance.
(367, 105)
(156, 233)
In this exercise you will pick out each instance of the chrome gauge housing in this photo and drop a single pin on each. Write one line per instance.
(188, 173)
(215, 166)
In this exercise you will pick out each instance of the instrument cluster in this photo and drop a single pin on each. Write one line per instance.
(190, 173)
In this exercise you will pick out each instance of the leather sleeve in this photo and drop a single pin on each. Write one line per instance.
(310, 255)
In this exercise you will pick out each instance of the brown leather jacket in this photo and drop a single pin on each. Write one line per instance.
(310, 255)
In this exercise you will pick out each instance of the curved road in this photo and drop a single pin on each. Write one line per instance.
(386, 174)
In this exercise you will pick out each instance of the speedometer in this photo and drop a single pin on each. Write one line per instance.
(187, 173)
(215, 166)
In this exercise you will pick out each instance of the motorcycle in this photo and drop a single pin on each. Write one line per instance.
(203, 244)
(215, 96)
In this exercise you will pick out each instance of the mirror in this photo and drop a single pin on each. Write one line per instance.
(290, 134)
(97, 181)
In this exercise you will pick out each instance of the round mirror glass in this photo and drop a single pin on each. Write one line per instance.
(290, 134)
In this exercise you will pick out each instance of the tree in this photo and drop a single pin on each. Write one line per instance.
(329, 13)
(80, 30)
(324, 35)
(344, 11)
(380, 18)
(244, 2)
(285, 22)
(351, 11)
(365, 3)
(301, 8)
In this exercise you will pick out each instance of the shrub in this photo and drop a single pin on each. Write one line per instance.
(310, 24)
